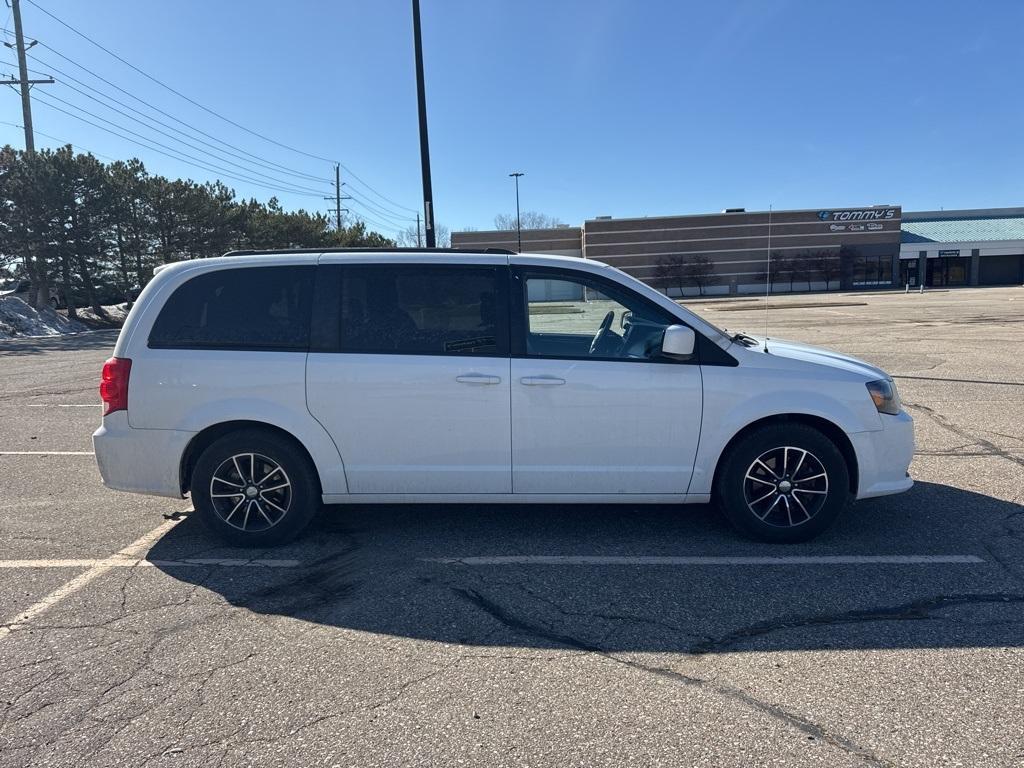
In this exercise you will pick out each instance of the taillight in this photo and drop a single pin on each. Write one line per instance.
(114, 384)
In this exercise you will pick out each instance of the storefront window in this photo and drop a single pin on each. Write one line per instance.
(872, 270)
(948, 270)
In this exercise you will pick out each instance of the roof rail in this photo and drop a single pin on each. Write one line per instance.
(503, 251)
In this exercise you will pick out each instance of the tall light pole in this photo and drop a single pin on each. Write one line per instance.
(421, 97)
(519, 225)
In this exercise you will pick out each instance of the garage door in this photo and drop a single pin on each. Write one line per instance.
(1000, 270)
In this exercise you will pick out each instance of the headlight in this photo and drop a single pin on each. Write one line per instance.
(886, 398)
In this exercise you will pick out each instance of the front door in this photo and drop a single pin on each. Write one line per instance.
(409, 373)
(596, 409)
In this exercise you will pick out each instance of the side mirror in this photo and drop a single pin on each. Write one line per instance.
(625, 319)
(678, 341)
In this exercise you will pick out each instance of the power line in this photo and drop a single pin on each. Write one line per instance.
(162, 112)
(389, 226)
(369, 187)
(282, 186)
(177, 155)
(378, 211)
(351, 173)
(389, 220)
(359, 216)
(65, 143)
(172, 137)
(258, 162)
(383, 225)
(176, 92)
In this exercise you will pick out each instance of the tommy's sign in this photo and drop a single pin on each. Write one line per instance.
(871, 214)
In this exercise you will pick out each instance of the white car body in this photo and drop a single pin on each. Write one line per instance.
(417, 428)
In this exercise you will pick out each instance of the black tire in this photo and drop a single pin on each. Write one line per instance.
(803, 505)
(300, 500)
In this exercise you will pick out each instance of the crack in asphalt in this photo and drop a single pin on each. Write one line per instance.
(916, 610)
(802, 724)
(949, 425)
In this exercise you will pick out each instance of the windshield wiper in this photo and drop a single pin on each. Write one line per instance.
(744, 339)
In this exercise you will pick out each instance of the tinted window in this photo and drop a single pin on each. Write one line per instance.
(252, 308)
(569, 316)
(413, 309)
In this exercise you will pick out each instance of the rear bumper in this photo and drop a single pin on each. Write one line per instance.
(139, 460)
(884, 456)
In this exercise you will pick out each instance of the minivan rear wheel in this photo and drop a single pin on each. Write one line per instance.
(254, 489)
(783, 482)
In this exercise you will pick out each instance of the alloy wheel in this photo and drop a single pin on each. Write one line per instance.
(785, 486)
(250, 492)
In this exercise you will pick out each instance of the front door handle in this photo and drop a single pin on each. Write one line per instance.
(478, 378)
(541, 381)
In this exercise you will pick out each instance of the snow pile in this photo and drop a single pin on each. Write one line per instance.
(19, 319)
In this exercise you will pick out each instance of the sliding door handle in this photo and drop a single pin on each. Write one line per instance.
(541, 381)
(478, 378)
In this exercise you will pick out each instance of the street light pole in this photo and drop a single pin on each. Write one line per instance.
(421, 98)
(519, 225)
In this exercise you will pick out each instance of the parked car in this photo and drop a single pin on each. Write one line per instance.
(265, 384)
(23, 289)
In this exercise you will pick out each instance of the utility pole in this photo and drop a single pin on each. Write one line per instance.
(519, 224)
(23, 82)
(419, 240)
(421, 98)
(338, 197)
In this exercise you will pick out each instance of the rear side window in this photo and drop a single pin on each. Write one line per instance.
(256, 308)
(415, 309)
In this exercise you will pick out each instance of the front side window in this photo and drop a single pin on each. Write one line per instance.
(579, 317)
(414, 309)
(253, 308)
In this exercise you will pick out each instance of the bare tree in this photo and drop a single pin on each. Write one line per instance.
(682, 270)
(804, 268)
(774, 271)
(671, 272)
(410, 238)
(528, 220)
(826, 264)
(699, 270)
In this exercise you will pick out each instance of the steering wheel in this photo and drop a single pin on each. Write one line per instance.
(602, 332)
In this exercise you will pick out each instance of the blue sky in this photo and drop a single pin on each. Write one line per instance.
(609, 107)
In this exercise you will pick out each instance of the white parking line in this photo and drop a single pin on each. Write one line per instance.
(708, 560)
(65, 405)
(46, 453)
(130, 562)
(136, 550)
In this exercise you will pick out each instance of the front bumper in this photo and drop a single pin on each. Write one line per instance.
(139, 460)
(884, 456)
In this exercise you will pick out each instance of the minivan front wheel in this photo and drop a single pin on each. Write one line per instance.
(783, 483)
(253, 488)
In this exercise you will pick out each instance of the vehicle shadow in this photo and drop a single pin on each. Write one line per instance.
(389, 570)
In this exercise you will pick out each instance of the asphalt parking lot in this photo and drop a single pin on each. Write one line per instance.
(537, 635)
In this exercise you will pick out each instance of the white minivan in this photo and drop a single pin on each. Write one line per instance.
(265, 384)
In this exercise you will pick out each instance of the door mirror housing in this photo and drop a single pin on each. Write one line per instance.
(678, 341)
